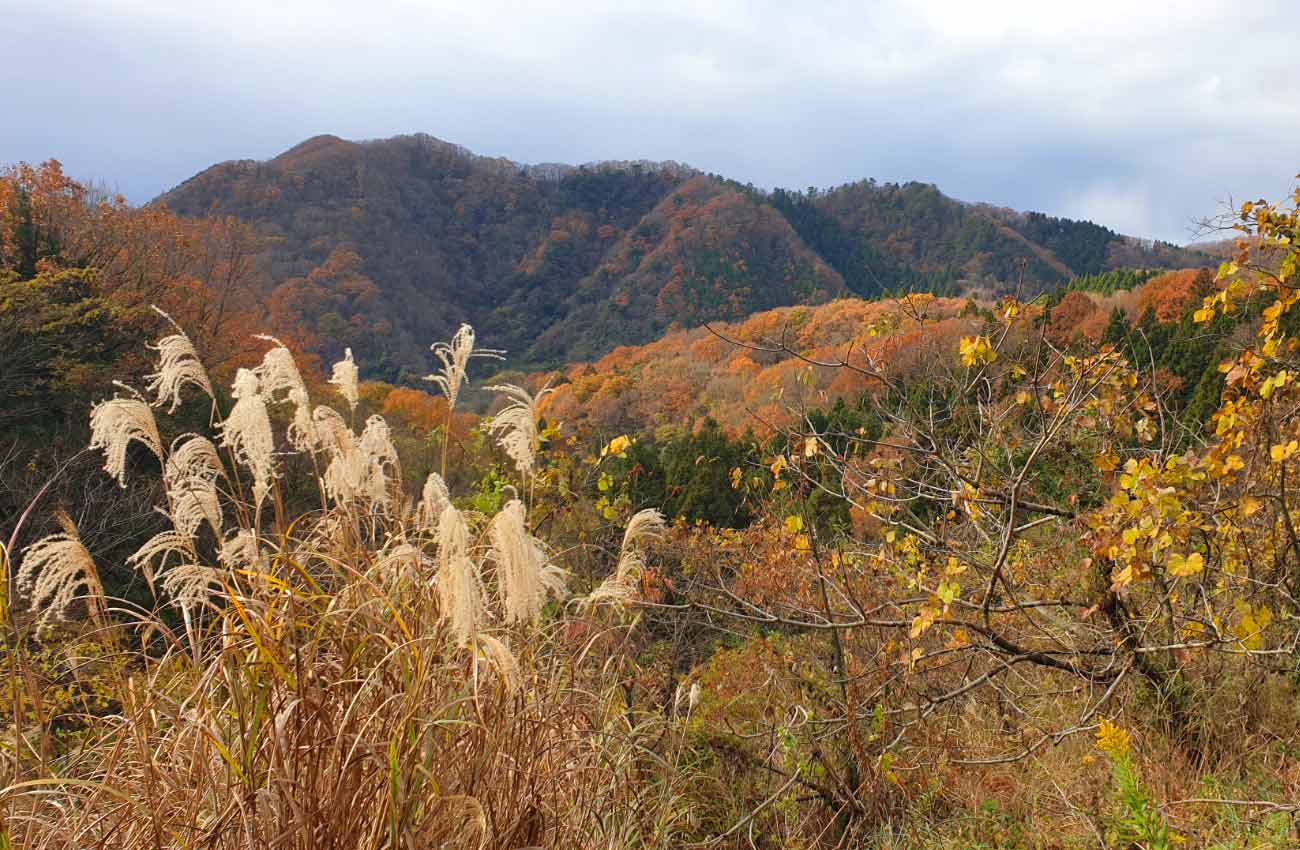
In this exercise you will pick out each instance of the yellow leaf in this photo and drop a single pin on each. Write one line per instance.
(794, 524)
(924, 619)
(1272, 383)
(1186, 566)
(1283, 451)
(1251, 624)
(976, 351)
(617, 446)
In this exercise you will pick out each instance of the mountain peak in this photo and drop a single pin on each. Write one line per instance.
(314, 151)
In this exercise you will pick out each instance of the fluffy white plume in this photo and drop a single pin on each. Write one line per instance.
(331, 430)
(190, 475)
(501, 659)
(158, 547)
(280, 380)
(380, 455)
(192, 456)
(434, 498)
(620, 587)
(462, 601)
(346, 473)
(278, 373)
(344, 376)
(643, 526)
(515, 426)
(460, 594)
(114, 424)
(190, 584)
(55, 572)
(178, 365)
(455, 357)
(358, 467)
(193, 504)
(524, 574)
(302, 431)
(247, 432)
(240, 550)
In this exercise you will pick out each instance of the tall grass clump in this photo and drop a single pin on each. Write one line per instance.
(379, 672)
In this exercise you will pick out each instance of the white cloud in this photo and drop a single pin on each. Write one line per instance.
(1064, 107)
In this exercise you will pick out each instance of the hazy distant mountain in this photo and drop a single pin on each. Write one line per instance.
(387, 245)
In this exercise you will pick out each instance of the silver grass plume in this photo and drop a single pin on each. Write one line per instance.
(158, 547)
(114, 424)
(500, 658)
(240, 550)
(278, 373)
(379, 455)
(190, 584)
(346, 473)
(620, 587)
(190, 475)
(515, 425)
(247, 432)
(455, 357)
(55, 572)
(434, 499)
(462, 601)
(178, 365)
(524, 574)
(302, 430)
(344, 376)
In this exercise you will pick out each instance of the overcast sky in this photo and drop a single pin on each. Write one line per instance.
(1139, 115)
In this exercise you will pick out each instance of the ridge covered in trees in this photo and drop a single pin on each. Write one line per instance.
(388, 243)
(922, 571)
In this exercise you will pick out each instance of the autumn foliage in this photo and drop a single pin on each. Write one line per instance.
(1011, 569)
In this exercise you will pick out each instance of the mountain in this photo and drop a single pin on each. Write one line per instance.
(384, 246)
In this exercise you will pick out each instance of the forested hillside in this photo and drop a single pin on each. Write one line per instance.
(913, 572)
(381, 245)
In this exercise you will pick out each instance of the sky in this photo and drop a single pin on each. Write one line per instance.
(1143, 116)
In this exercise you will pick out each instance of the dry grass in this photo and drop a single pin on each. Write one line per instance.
(320, 692)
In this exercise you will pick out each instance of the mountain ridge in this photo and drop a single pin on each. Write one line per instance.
(388, 243)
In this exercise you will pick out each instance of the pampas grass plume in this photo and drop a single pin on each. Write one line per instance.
(455, 357)
(620, 587)
(524, 575)
(55, 570)
(502, 660)
(114, 424)
(461, 599)
(515, 426)
(247, 432)
(434, 499)
(178, 365)
(190, 476)
(344, 376)
(278, 372)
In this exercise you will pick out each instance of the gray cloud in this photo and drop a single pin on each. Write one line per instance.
(1143, 119)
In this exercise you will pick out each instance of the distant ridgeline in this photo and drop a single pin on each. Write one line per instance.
(384, 245)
